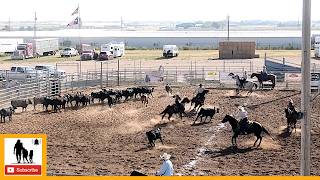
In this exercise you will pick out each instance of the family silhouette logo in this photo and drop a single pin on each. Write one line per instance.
(23, 156)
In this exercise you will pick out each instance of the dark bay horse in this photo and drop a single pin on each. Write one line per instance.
(198, 101)
(253, 127)
(177, 108)
(292, 117)
(270, 77)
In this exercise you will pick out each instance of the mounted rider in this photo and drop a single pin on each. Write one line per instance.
(243, 79)
(177, 102)
(243, 123)
(290, 106)
(264, 73)
(199, 90)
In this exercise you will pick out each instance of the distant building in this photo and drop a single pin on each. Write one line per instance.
(148, 39)
(237, 50)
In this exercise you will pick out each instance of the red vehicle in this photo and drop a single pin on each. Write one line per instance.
(24, 51)
(105, 56)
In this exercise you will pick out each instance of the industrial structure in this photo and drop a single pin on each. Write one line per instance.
(237, 50)
(156, 39)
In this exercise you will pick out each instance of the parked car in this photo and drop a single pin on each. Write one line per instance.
(51, 71)
(105, 56)
(69, 52)
(88, 55)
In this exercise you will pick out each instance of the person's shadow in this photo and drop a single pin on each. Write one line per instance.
(228, 151)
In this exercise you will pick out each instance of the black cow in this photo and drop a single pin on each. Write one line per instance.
(153, 135)
(58, 102)
(70, 98)
(136, 173)
(206, 113)
(6, 112)
(98, 95)
(85, 100)
(47, 101)
(111, 100)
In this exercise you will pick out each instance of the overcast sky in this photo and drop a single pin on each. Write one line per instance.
(156, 10)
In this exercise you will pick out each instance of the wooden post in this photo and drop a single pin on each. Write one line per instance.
(305, 90)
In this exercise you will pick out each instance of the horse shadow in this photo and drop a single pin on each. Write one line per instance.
(229, 151)
(147, 147)
(238, 97)
(161, 125)
(162, 96)
(285, 133)
(162, 58)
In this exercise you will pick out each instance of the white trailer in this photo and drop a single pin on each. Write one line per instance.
(9, 45)
(170, 51)
(45, 47)
(115, 49)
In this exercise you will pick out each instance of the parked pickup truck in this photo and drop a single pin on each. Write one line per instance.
(21, 73)
(51, 71)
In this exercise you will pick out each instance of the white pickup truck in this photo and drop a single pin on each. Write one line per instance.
(51, 70)
(21, 73)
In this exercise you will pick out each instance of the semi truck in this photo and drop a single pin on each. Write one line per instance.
(9, 45)
(24, 51)
(36, 48)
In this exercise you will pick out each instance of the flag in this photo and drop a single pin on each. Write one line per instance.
(75, 11)
(74, 22)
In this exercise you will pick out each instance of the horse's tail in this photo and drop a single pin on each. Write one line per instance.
(165, 110)
(265, 131)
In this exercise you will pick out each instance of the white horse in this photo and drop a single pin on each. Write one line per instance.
(247, 85)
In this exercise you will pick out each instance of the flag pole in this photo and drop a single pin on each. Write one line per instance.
(79, 29)
(35, 26)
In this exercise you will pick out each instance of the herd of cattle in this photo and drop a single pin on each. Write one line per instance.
(136, 93)
(78, 99)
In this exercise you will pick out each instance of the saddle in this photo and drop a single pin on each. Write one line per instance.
(248, 125)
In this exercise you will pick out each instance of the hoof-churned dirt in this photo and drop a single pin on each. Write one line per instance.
(98, 140)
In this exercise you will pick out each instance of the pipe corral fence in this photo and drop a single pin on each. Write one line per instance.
(103, 76)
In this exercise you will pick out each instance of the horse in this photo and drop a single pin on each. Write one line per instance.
(253, 127)
(247, 85)
(292, 117)
(177, 108)
(270, 77)
(198, 101)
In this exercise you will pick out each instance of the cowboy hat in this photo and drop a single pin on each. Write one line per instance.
(241, 108)
(165, 156)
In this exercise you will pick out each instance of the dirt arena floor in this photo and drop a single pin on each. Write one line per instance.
(97, 140)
